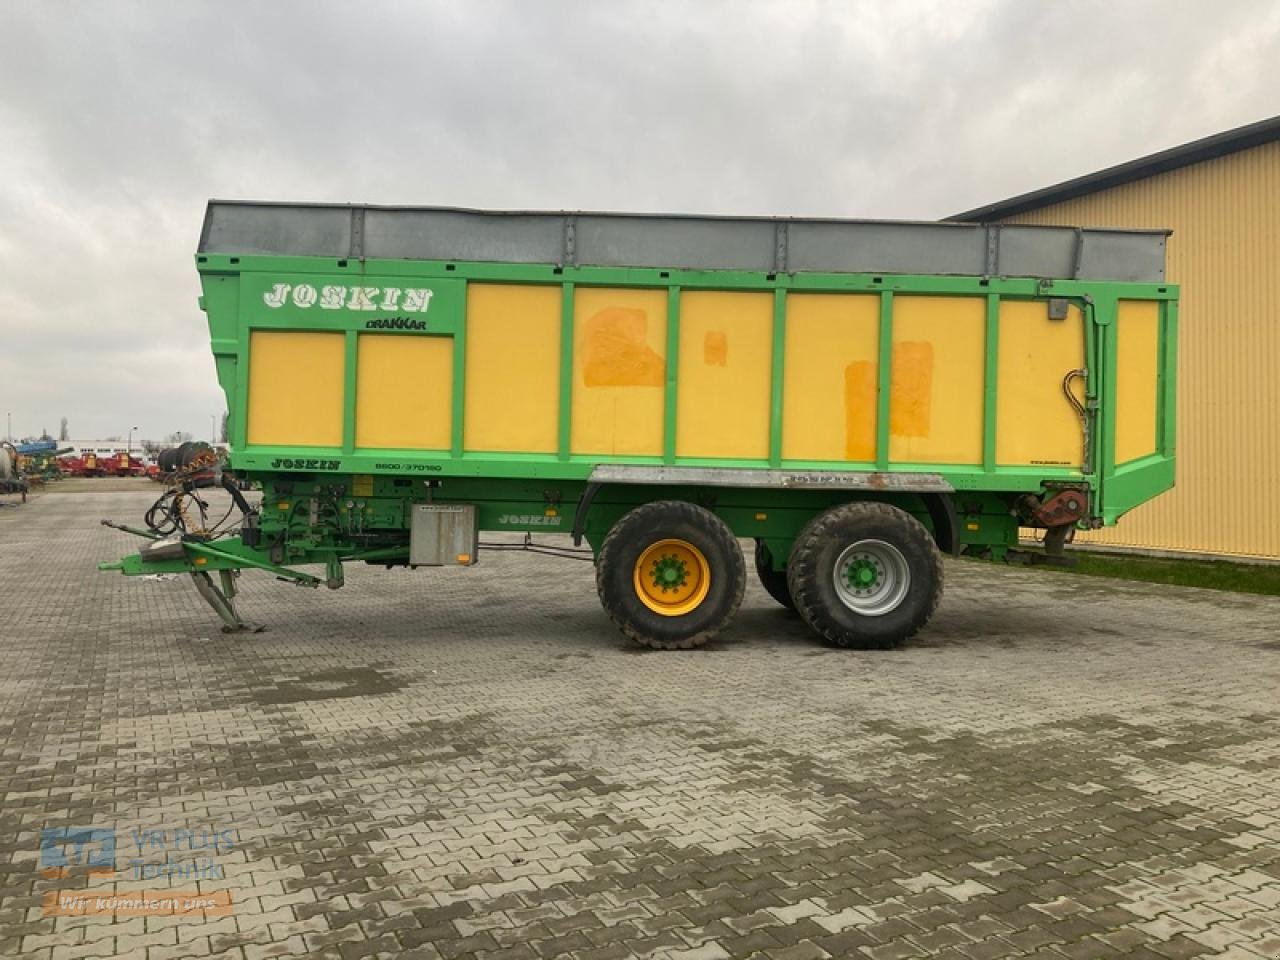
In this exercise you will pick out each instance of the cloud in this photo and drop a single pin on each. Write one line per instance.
(117, 122)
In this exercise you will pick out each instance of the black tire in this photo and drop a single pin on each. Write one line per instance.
(829, 540)
(773, 581)
(643, 528)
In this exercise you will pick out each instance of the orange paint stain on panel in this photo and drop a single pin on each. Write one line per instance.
(619, 371)
(830, 377)
(618, 354)
(723, 407)
(715, 349)
(936, 387)
(860, 410)
(912, 405)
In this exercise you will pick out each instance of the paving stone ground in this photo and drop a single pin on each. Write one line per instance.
(473, 763)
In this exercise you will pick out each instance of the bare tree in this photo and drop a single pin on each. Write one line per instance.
(64, 431)
(177, 437)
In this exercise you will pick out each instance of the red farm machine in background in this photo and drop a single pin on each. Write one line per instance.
(89, 463)
(82, 465)
(122, 464)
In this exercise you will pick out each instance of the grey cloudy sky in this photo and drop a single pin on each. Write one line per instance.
(118, 120)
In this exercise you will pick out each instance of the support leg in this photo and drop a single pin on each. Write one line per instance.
(333, 573)
(223, 602)
(1055, 543)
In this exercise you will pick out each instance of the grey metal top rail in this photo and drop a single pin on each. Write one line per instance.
(767, 244)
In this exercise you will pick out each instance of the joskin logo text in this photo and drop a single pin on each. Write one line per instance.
(304, 463)
(341, 297)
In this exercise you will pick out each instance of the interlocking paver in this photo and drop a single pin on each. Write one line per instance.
(455, 763)
(89, 951)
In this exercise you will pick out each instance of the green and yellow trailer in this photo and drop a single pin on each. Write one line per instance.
(856, 397)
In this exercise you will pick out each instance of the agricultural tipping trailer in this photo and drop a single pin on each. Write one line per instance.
(856, 397)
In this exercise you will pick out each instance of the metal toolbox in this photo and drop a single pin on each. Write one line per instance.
(443, 534)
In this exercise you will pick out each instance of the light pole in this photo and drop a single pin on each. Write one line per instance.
(129, 447)
(8, 433)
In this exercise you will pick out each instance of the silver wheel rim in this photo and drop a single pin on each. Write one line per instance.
(871, 577)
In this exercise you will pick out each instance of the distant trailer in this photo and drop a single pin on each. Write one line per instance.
(854, 397)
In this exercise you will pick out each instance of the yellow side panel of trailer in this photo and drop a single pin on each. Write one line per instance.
(726, 349)
(1137, 378)
(295, 388)
(936, 388)
(404, 392)
(513, 368)
(829, 398)
(1035, 422)
(619, 369)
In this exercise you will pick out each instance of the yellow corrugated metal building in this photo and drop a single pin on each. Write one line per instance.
(1221, 198)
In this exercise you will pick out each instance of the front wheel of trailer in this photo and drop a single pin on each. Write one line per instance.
(865, 575)
(670, 575)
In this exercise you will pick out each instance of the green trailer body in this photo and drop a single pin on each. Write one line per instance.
(583, 373)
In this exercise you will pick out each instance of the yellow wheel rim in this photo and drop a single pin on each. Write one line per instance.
(672, 577)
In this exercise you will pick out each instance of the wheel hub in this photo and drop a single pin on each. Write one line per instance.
(862, 573)
(669, 572)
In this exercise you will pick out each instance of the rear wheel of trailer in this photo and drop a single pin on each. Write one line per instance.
(865, 575)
